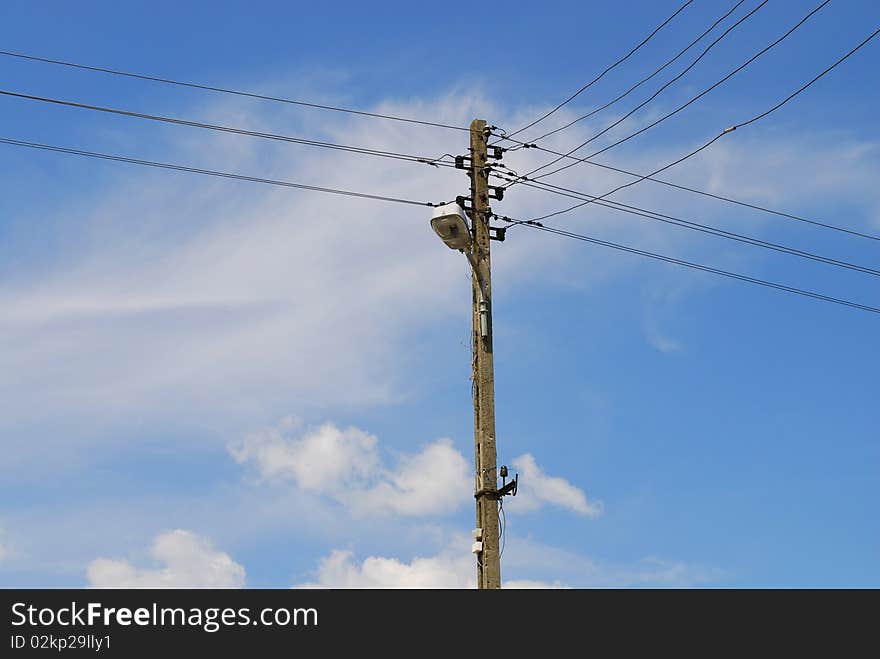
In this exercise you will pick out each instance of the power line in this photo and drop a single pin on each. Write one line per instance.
(729, 130)
(665, 86)
(209, 172)
(643, 80)
(699, 266)
(609, 68)
(222, 90)
(703, 228)
(227, 129)
(698, 96)
(704, 193)
(730, 200)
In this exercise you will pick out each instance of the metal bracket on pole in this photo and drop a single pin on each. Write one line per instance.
(509, 488)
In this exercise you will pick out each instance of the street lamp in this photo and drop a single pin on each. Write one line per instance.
(450, 223)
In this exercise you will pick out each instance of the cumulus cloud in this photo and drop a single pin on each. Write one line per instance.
(537, 489)
(346, 465)
(341, 570)
(532, 565)
(449, 569)
(186, 561)
(319, 461)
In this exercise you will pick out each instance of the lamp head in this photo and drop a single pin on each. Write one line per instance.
(450, 223)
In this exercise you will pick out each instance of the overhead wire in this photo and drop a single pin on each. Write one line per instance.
(436, 162)
(719, 197)
(703, 228)
(693, 100)
(607, 70)
(235, 92)
(699, 266)
(209, 172)
(659, 91)
(726, 131)
(643, 80)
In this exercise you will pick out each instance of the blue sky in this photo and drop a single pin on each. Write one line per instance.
(205, 382)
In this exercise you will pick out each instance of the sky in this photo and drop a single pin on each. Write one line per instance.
(206, 382)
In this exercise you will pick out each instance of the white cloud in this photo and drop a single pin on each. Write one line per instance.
(533, 565)
(434, 479)
(322, 460)
(346, 465)
(340, 570)
(190, 561)
(537, 488)
(449, 569)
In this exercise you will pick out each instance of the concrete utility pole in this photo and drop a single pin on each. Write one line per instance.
(486, 494)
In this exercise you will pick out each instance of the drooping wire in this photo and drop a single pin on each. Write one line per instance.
(692, 100)
(659, 91)
(726, 131)
(646, 79)
(608, 69)
(502, 524)
(208, 172)
(698, 266)
(703, 228)
(435, 162)
(223, 90)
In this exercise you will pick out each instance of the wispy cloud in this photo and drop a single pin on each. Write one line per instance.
(204, 298)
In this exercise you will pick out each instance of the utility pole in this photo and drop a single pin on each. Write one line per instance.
(486, 481)
(450, 222)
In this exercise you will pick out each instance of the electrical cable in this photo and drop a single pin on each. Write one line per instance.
(730, 200)
(699, 266)
(640, 82)
(193, 85)
(692, 100)
(608, 69)
(726, 131)
(208, 172)
(502, 524)
(435, 162)
(664, 87)
(643, 80)
(703, 228)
